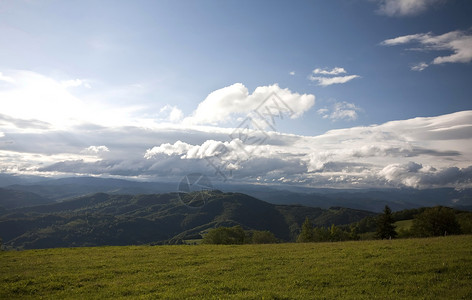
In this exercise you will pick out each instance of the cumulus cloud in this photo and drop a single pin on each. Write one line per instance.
(328, 79)
(235, 100)
(404, 7)
(458, 42)
(340, 111)
(416, 175)
(292, 73)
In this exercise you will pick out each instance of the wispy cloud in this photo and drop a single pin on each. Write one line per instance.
(458, 42)
(325, 81)
(292, 73)
(404, 7)
(328, 76)
(334, 71)
(419, 67)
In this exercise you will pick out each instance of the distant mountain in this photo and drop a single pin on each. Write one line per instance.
(63, 188)
(13, 199)
(364, 199)
(104, 219)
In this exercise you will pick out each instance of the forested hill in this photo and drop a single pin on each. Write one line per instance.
(104, 219)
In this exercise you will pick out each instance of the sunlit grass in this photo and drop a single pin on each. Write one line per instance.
(414, 268)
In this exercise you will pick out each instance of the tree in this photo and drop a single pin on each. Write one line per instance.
(436, 221)
(385, 226)
(307, 234)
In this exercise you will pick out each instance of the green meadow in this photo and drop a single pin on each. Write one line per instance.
(429, 268)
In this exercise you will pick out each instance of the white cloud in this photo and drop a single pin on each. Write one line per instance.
(458, 42)
(325, 81)
(292, 73)
(75, 83)
(95, 149)
(404, 7)
(334, 71)
(419, 67)
(6, 78)
(178, 148)
(222, 105)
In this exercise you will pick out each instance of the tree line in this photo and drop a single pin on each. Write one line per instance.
(427, 222)
(236, 235)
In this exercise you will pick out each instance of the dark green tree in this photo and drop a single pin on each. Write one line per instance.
(436, 221)
(385, 225)
(307, 234)
(321, 234)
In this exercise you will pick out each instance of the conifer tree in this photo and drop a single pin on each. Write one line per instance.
(385, 226)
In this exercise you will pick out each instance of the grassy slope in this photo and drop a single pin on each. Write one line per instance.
(405, 225)
(410, 268)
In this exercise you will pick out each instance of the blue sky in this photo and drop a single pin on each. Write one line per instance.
(75, 75)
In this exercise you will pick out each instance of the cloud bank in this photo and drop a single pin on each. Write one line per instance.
(419, 152)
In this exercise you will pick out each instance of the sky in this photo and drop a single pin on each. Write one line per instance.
(339, 94)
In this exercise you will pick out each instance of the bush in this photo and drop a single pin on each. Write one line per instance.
(225, 236)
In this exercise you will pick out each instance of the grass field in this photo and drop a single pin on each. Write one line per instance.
(433, 268)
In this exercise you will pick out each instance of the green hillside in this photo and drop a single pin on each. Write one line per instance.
(432, 268)
(104, 219)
